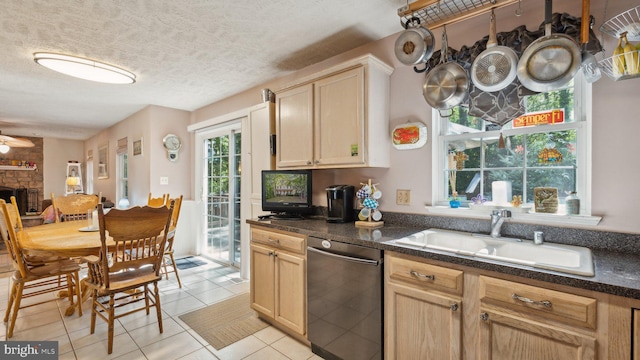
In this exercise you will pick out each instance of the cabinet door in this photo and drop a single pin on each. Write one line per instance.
(421, 325)
(294, 127)
(507, 337)
(261, 124)
(262, 280)
(339, 119)
(291, 309)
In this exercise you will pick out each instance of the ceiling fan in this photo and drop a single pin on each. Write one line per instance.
(7, 142)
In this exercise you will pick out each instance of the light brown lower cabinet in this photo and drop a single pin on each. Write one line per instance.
(278, 279)
(504, 317)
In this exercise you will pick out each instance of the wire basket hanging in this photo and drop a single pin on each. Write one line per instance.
(628, 21)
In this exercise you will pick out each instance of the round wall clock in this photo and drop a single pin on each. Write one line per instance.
(173, 144)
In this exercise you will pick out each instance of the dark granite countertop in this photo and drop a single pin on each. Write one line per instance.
(616, 273)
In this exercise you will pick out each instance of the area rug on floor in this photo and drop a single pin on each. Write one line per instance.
(226, 322)
(189, 262)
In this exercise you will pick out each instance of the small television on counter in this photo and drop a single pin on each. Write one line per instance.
(286, 193)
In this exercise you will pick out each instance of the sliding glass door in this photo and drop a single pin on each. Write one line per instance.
(221, 170)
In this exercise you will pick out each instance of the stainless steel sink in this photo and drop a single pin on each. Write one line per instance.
(564, 258)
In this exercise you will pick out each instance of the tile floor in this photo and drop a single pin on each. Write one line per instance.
(137, 336)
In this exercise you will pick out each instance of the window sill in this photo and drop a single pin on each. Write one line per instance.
(531, 218)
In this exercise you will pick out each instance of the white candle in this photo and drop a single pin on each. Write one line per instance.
(501, 191)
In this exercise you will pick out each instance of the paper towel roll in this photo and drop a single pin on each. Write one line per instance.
(501, 191)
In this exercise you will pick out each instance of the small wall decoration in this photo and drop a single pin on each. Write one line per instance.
(369, 196)
(103, 161)
(409, 136)
(137, 147)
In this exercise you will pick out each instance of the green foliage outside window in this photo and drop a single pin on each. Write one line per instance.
(518, 161)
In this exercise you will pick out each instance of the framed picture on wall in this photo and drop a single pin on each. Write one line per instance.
(103, 161)
(137, 147)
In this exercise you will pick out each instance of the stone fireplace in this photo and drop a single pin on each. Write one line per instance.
(26, 185)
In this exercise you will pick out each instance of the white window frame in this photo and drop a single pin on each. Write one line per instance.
(583, 127)
(122, 181)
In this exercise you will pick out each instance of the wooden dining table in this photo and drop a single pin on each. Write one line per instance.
(67, 239)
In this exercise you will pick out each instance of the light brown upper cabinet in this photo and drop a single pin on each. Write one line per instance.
(338, 118)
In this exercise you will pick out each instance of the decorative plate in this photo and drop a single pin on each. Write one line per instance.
(409, 136)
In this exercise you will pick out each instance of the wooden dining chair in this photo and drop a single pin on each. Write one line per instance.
(158, 201)
(169, 260)
(15, 221)
(73, 206)
(124, 272)
(34, 281)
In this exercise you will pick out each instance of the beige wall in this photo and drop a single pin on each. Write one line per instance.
(615, 125)
(57, 152)
(151, 125)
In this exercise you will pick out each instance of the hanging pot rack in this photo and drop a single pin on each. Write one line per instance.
(436, 13)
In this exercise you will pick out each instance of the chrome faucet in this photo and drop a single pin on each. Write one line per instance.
(497, 218)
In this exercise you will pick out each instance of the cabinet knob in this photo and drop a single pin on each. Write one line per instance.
(454, 307)
(308, 162)
(317, 162)
(484, 316)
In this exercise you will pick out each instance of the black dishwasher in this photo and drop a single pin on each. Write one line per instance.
(344, 294)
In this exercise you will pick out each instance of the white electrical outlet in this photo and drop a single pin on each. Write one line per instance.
(164, 180)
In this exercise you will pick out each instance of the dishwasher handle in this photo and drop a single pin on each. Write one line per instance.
(344, 257)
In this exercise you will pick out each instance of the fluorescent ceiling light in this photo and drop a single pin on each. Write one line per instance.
(84, 68)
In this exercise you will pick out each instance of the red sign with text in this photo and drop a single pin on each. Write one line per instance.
(540, 118)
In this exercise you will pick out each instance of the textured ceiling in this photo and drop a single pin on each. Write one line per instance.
(186, 53)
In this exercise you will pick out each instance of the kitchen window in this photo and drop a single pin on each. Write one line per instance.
(549, 146)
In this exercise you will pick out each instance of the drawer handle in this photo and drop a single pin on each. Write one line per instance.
(422, 276)
(277, 241)
(545, 303)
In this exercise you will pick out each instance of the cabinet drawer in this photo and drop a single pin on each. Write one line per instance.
(539, 302)
(290, 242)
(424, 275)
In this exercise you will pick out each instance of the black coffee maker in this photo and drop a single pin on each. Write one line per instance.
(340, 203)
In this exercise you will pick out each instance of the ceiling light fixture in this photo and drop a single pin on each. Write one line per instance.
(4, 148)
(84, 68)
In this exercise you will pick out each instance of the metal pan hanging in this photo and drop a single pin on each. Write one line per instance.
(446, 85)
(549, 62)
(415, 44)
(495, 68)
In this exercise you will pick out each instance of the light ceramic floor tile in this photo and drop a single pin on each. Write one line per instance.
(202, 354)
(204, 285)
(151, 333)
(173, 295)
(213, 296)
(134, 355)
(196, 336)
(239, 288)
(292, 348)
(172, 348)
(36, 332)
(239, 349)
(67, 356)
(83, 337)
(122, 344)
(35, 320)
(182, 306)
(267, 353)
(269, 335)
